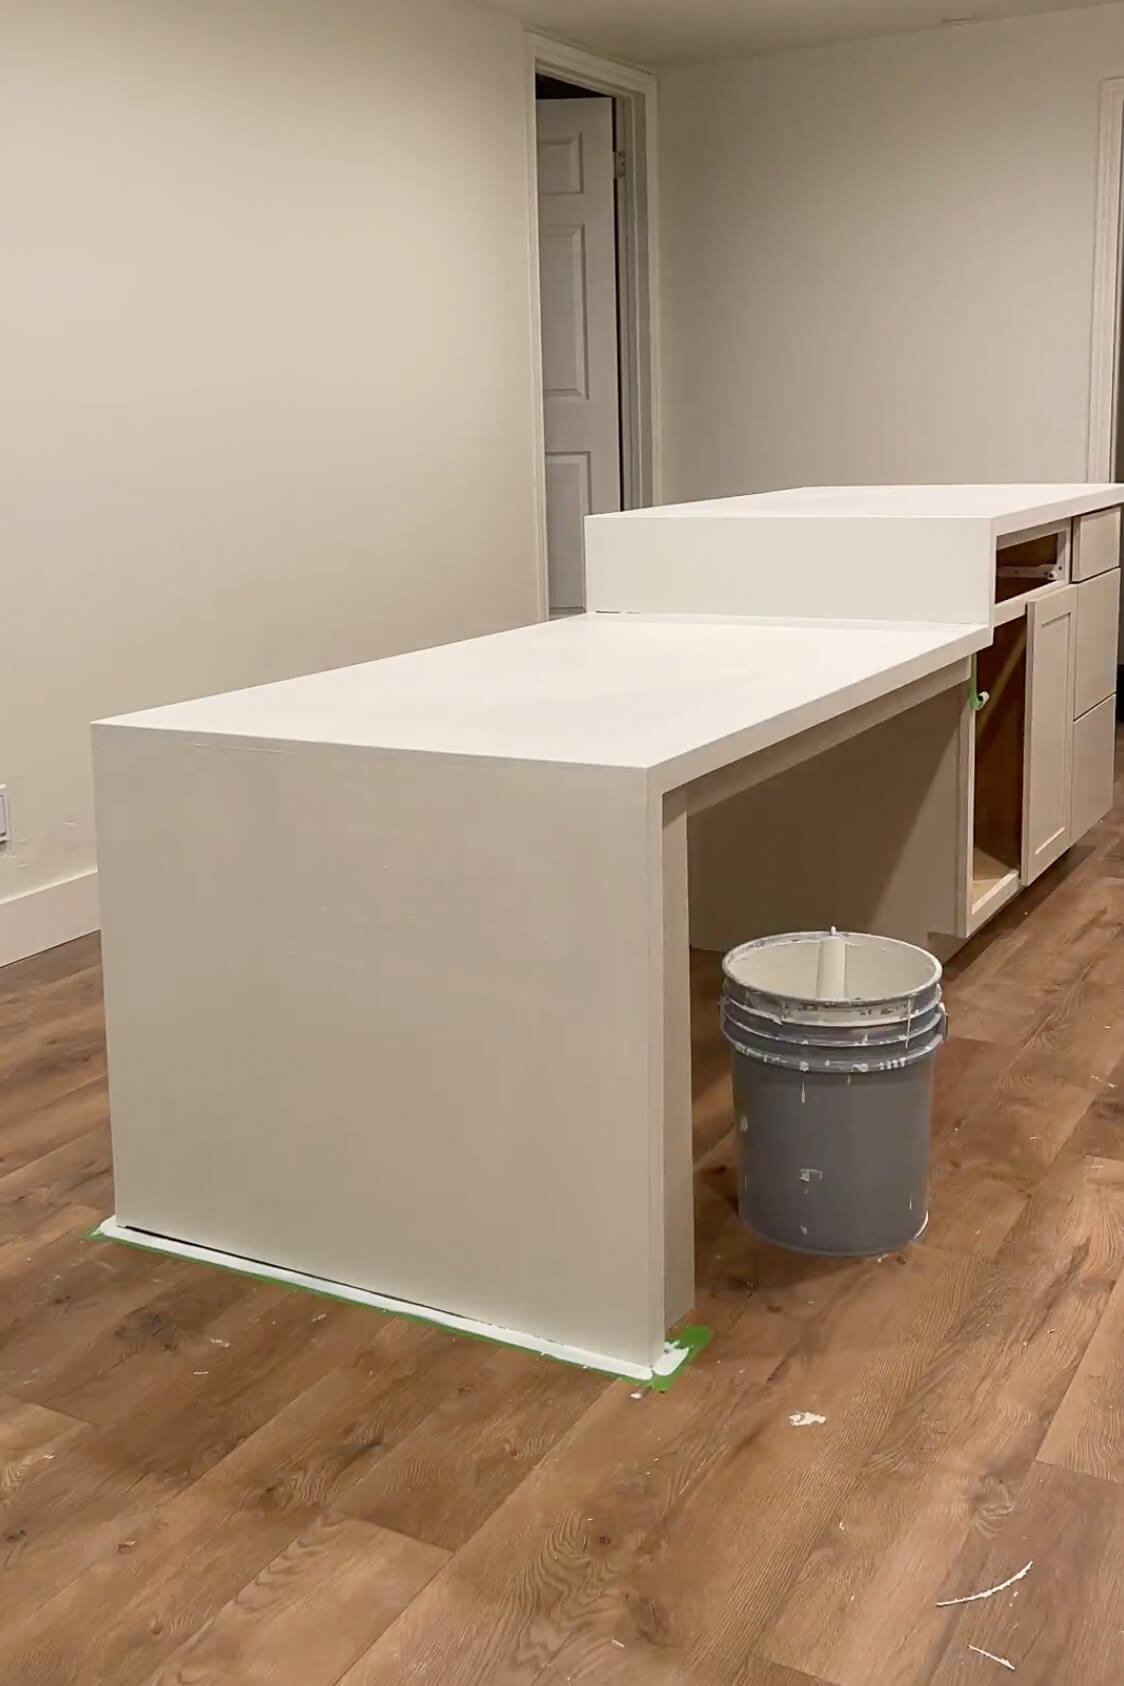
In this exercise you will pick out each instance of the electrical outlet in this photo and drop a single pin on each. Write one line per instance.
(3, 815)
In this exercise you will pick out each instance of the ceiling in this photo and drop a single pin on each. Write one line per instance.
(652, 32)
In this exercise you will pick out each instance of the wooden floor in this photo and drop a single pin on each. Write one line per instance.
(204, 1479)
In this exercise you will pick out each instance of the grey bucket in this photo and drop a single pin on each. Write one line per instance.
(832, 1038)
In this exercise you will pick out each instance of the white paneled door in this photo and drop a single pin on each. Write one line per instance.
(577, 270)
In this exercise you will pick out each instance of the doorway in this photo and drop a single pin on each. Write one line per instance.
(593, 178)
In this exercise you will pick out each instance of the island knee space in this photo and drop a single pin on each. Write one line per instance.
(865, 836)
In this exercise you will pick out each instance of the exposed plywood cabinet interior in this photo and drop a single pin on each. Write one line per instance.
(1027, 561)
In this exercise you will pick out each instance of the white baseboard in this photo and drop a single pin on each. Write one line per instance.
(52, 914)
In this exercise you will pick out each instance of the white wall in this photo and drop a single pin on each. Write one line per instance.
(265, 334)
(877, 259)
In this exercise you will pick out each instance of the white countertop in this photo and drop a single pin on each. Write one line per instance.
(1008, 509)
(674, 693)
(676, 698)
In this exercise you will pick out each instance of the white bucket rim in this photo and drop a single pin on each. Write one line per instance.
(810, 1008)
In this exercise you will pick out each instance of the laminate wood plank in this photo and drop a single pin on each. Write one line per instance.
(353, 1417)
(311, 1612)
(72, 1291)
(119, 1619)
(964, 1075)
(643, 1530)
(29, 1438)
(1100, 1132)
(39, 1130)
(192, 1421)
(1061, 1624)
(446, 1477)
(78, 1171)
(760, 1673)
(110, 1488)
(190, 1551)
(26, 1011)
(165, 1343)
(945, 1475)
(1087, 1432)
(90, 1502)
(37, 1027)
(52, 1063)
(985, 1170)
(65, 1224)
(21, 976)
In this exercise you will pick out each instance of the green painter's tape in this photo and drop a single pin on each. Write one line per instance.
(690, 1341)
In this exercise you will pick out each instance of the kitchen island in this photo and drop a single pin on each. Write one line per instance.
(396, 955)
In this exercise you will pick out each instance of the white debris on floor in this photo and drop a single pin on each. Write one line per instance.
(805, 1419)
(992, 1658)
(988, 1592)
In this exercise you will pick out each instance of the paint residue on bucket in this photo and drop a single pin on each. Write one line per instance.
(833, 1036)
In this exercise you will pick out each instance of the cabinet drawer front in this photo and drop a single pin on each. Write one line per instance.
(1094, 740)
(1096, 543)
(1098, 613)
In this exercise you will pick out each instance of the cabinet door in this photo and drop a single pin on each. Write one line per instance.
(1048, 755)
(1094, 740)
(1098, 615)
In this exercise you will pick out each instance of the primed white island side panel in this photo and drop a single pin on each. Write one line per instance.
(387, 1025)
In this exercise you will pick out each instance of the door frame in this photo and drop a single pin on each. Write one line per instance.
(634, 99)
(1108, 291)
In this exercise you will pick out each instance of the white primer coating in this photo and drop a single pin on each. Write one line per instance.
(676, 698)
(300, 933)
(852, 553)
(831, 974)
(668, 1362)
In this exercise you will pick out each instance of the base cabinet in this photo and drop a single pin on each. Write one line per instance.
(1037, 756)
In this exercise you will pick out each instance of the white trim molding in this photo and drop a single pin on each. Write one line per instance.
(47, 916)
(1105, 350)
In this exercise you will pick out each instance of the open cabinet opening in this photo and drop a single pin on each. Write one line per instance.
(1000, 727)
(1023, 565)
